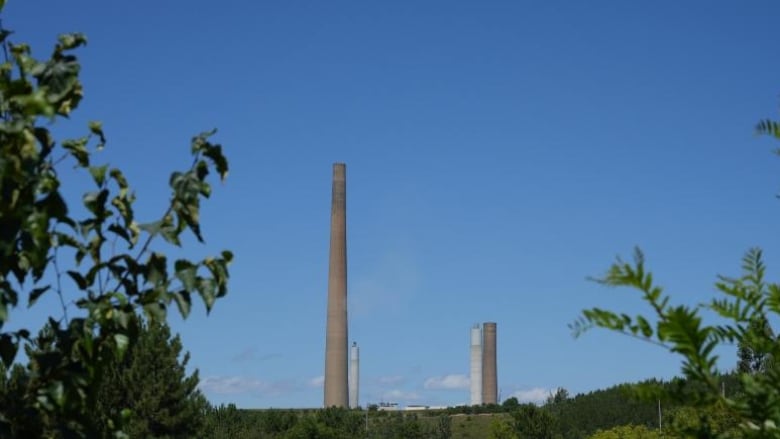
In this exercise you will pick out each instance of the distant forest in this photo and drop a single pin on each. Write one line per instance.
(621, 411)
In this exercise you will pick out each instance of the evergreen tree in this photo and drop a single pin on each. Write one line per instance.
(534, 422)
(152, 383)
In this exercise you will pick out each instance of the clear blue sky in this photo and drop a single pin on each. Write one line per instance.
(497, 153)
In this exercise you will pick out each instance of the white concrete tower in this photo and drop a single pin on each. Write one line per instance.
(354, 375)
(476, 365)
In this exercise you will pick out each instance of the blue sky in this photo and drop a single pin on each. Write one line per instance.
(497, 153)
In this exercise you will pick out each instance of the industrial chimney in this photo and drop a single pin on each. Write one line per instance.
(336, 329)
(489, 372)
(354, 375)
(476, 365)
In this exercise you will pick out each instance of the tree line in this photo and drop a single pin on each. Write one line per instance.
(151, 379)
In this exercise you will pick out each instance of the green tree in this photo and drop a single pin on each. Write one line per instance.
(602, 409)
(532, 422)
(349, 423)
(112, 260)
(152, 380)
(718, 417)
(277, 421)
(560, 396)
(309, 428)
(224, 422)
(510, 404)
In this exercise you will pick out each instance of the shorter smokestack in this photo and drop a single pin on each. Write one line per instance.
(476, 365)
(354, 375)
(489, 369)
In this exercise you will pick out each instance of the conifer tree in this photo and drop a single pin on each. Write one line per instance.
(152, 382)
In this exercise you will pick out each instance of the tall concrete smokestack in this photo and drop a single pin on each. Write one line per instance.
(476, 365)
(354, 375)
(336, 331)
(489, 372)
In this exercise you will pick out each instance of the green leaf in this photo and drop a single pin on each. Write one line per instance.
(768, 127)
(122, 341)
(55, 206)
(171, 235)
(57, 393)
(96, 128)
(151, 228)
(214, 153)
(59, 80)
(200, 141)
(155, 311)
(184, 302)
(71, 40)
(124, 206)
(3, 312)
(156, 269)
(79, 279)
(96, 202)
(99, 174)
(124, 317)
(189, 214)
(121, 232)
(207, 290)
(8, 348)
(35, 294)
(644, 327)
(44, 138)
(78, 149)
(186, 272)
(201, 172)
(126, 414)
(121, 181)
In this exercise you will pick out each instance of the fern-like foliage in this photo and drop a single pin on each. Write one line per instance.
(746, 305)
(768, 127)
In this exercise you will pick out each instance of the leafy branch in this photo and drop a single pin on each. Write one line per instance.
(681, 329)
(115, 288)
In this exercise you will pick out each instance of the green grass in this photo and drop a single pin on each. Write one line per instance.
(468, 426)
